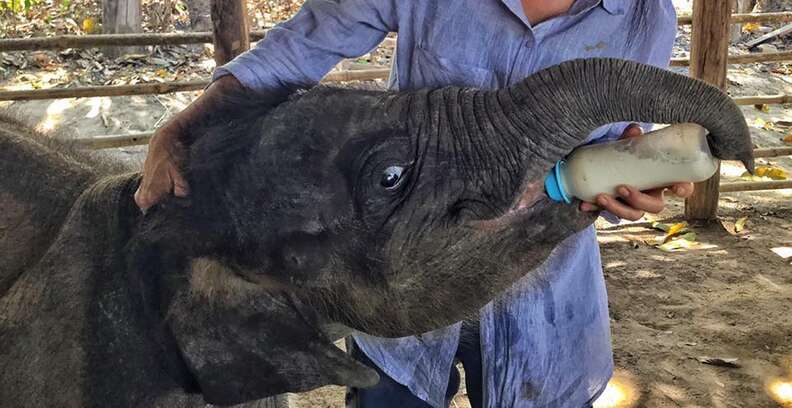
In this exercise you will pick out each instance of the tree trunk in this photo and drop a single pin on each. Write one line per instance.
(230, 27)
(121, 17)
(709, 49)
(200, 15)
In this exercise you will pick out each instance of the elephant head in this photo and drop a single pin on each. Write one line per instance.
(395, 213)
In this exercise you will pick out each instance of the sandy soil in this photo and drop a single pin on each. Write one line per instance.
(730, 299)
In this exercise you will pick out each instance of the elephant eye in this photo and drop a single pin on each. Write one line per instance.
(391, 177)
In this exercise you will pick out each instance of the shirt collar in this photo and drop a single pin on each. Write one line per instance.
(611, 6)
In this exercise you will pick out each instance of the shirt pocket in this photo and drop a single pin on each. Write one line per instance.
(431, 69)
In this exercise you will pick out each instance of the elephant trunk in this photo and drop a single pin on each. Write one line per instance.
(524, 129)
(558, 107)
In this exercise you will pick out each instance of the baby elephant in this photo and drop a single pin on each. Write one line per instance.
(391, 213)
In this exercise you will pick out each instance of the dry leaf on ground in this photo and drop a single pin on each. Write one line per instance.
(766, 172)
(739, 225)
(763, 107)
(761, 123)
(750, 27)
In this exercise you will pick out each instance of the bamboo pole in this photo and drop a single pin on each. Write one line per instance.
(781, 17)
(755, 186)
(763, 99)
(773, 151)
(61, 42)
(164, 87)
(111, 141)
(743, 59)
(357, 75)
(709, 49)
(769, 36)
(92, 91)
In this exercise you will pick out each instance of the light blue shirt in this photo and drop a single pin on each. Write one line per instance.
(545, 346)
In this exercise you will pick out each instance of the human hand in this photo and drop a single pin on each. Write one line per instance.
(168, 148)
(631, 203)
(161, 170)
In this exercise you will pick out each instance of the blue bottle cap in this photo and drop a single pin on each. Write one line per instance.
(554, 184)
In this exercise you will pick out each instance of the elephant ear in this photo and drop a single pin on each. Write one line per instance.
(242, 343)
(41, 180)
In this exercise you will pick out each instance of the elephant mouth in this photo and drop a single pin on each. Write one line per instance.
(529, 200)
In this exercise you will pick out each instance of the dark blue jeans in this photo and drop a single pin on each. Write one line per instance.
(390, 394)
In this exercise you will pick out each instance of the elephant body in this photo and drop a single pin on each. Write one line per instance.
(391, 213)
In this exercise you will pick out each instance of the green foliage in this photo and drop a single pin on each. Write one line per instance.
(18, 6)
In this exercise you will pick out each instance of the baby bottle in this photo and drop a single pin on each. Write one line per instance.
(675, 154)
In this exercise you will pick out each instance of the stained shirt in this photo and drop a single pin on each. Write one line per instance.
(545, 345)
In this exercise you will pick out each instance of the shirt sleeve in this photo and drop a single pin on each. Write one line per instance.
(299, 52)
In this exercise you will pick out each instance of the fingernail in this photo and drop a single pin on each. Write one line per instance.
(602, 200)
(624, 192)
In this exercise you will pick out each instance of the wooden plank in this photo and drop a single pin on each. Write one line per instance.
(743, 59)
(92, 91)
(755, 186)
(762, 99)
(165, 87)
(769, 36)
(230, 28)
(121, 17)
(773, 151)
(111, 141)
(764, 18)
(61, 42)
(709, 50)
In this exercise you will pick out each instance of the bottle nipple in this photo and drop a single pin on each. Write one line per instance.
(554, 184)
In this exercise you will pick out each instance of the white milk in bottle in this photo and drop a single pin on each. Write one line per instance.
(674, 154)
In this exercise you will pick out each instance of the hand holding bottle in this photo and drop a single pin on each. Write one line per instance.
(631, 203)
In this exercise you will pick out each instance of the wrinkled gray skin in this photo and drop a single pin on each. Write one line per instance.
(290, 230)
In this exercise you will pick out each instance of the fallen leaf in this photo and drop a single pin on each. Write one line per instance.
(162, 72)
(788, 139)
(676, 229)
(671, 231)
(690, 236)
(739, 225)
(750, 27)
(677, 245)
(773, 172)
(719, 361)
(660, 226)
(89, 25)
(763, 107)
(766, 172)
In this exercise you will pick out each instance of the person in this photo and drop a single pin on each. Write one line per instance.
(533, 347)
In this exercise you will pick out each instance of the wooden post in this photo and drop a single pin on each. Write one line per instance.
(230, 27)
(200, 15)
(709, 48)
(121, 17)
